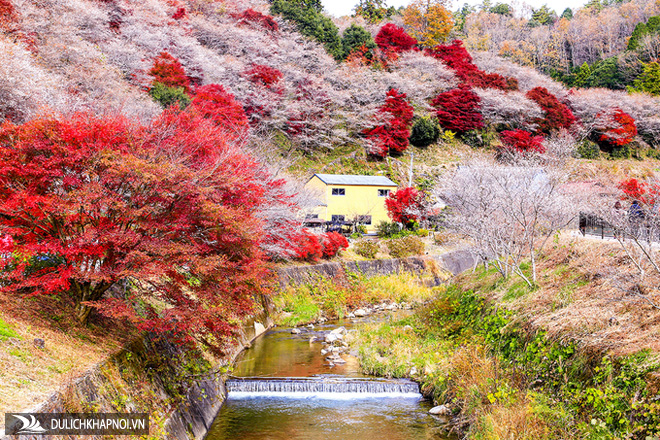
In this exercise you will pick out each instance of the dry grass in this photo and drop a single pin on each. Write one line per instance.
(578, 297)
(29, 374)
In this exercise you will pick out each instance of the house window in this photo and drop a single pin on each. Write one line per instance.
(338, 218)
(383, 192)
(338, 191)
(364, 219)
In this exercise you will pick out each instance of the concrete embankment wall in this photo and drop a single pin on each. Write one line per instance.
(158, 377)
(432, 269)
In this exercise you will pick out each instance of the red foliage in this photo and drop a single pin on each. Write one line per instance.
(265, 21)
(7, 13)
(458, 110)
(619, 128)
(557, 114)
(634, 189)
(213, 102)
(457, 58)
(169, 71)
(522, 141)
(395, 38)
(179, 14)
(265, 75)
(104, 200)
(309, 246)
(333, 242)
(394, 133)
(405, 205)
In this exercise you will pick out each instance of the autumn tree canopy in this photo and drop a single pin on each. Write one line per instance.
(428, 21)
(171, 209)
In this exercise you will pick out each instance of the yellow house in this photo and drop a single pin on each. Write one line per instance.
(349, 198)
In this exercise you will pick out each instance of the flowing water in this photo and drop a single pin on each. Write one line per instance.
(284, 389)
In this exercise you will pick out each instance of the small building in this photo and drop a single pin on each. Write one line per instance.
(352, 199)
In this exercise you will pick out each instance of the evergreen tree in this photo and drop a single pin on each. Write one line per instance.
(355, 37)
(567, 14)
(649, 81)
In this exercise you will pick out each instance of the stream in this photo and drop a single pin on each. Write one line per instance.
(285, 389)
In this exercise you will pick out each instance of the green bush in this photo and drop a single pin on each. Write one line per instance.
(622, 152)
(388, 229)
(355, 37)
(588, 150)
(425, 131)
(366, 248)
(168, 96)
(479, 138)
(422, 232)
(405, 246)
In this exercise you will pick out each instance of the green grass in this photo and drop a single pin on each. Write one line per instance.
(6, 331)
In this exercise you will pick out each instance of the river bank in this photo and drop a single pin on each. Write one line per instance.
(477, 350)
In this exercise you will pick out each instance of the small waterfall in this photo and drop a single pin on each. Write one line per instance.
(320, 387)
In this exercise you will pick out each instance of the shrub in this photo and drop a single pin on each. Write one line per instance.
(422, 232)
(522, 141)
(405, 246)
(265, 21)
(355, 37)
(388, 229)
(167, 96)
(308, 247)
(168, 71)
(479, 138)
(458, 110)
(333, 242)
(557, 114)
(264, 75)
(588, 149)
(394, 133)
(425, 131)
(366, 248)
(616, 128)
(394, 38)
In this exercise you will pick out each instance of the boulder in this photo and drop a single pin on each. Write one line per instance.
(330, 338)
(350, 315)
(295, 331)
(360, 313)
(339, 331)
(440, 410)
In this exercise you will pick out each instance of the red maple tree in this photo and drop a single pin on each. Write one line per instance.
(557, 114)
(458, 110)
(406, 205)
(394, 38)
(617, 128)
(168, 70)
(393, 134)
(522, 141)
(170, 209)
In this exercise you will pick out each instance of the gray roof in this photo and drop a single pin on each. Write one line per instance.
(348, 179)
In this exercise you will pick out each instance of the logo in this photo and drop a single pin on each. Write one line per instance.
(30, 426)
